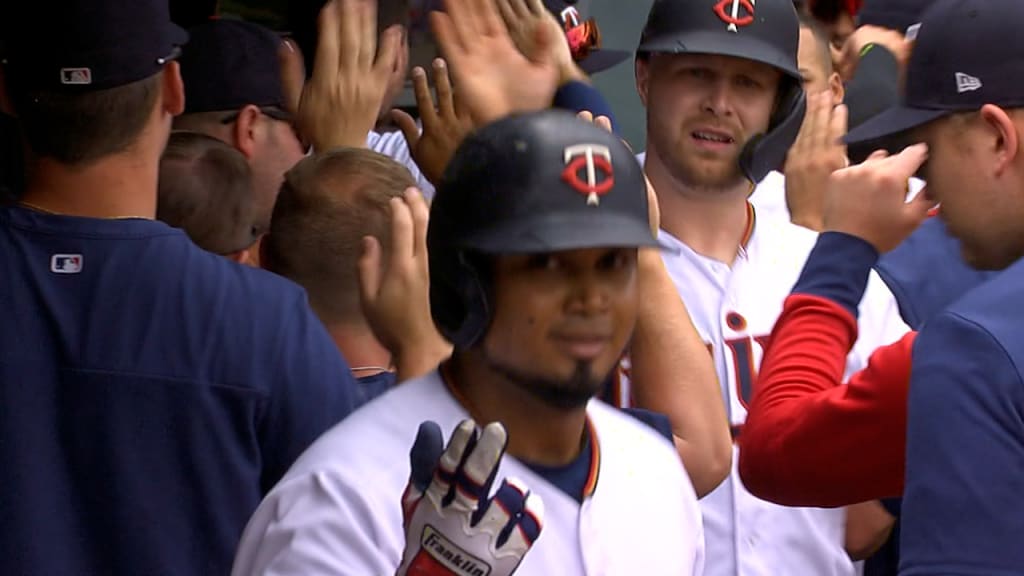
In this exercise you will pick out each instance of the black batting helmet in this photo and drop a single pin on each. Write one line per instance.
(767, 31)
(531, 183)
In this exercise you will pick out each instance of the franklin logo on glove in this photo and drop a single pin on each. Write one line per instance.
(439, 552)
(452, 526)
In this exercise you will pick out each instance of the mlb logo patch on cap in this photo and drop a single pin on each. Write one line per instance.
(66, 263)
(76, 76)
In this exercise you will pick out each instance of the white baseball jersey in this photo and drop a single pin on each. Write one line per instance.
(734, 309)
(338, 510)
(394, 146)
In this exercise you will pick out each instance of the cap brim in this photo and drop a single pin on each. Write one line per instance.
(177, 35)
(600, 60)
(710, 42)
(891, 122)
(559, 232)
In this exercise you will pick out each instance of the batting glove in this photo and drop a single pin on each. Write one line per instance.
(452, 527)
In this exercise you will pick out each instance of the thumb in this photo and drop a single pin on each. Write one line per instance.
(544, 39)
(407, 125)
(369, 269)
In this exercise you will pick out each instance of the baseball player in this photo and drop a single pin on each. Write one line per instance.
(533, 241)
(152, 392)
(964, 438)
(723, 96)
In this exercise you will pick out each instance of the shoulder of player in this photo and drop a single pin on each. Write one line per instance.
(379, 434)
(990, 306)
(617, 429)
(779, 237)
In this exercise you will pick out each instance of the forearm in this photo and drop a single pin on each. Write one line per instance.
(579, 96)
(808, 440)
(673, 373)
(421, 358)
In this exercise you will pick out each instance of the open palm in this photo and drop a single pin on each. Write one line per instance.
(493, 77)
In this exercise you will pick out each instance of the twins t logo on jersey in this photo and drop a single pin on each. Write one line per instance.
(590, 159)
(66, 263)
(729, 12)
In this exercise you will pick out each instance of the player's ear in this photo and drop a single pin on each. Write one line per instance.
(1006, 143)
(835, 85)
(642, 73)
(243, 132)
(173, 87)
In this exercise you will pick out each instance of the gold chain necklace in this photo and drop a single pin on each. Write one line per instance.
(38, 208)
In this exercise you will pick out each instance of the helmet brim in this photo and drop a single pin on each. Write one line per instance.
(713, 42)
(566, 231)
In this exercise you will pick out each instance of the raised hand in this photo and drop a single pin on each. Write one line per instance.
(395, 290)
(524, 18)
(869, 200)
(342, 101)
(493, 77)
(448, 511)
(817, 152)
(444, 125)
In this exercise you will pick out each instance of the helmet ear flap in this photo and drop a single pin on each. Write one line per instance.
(459, 301)
(767, 152)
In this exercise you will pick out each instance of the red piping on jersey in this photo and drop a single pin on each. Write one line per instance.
(595, 452)
(749, 230)
(808, 440)
(595, 462)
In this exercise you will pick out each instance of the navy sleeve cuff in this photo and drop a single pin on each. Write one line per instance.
(656, 420)
(838, 269)
(892, 506)
(576, 96)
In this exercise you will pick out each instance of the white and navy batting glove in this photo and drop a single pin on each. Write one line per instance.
(452, 527)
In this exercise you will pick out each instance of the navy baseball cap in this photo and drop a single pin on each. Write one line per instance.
(584, 36)
(899, 15)
(86, 45)
(968, 53)
(229, 64)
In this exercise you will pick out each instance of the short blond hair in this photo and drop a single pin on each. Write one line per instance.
(328, 203)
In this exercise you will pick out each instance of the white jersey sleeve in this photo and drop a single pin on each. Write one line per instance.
(394, 146)
(317, 524)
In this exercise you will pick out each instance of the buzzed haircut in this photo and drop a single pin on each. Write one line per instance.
(80, 128)
(327, 204)
(206, 189)
(820, 38)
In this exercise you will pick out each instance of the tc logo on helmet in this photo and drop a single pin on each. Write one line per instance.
(590, 158)
(729, 12)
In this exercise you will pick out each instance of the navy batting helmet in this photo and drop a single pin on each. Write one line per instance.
(767, 32)
(531, 183)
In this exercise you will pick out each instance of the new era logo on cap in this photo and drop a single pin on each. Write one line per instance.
(966, 83)
(80, 76)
